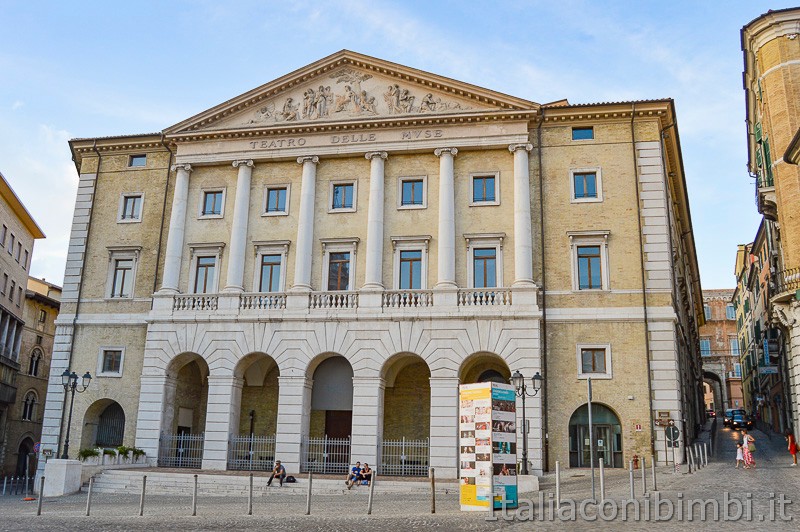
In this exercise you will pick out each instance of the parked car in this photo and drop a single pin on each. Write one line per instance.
(711, 413)
(741, 421)
(729, 413)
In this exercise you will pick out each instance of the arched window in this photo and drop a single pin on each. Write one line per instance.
(33, 367)
(29, 407)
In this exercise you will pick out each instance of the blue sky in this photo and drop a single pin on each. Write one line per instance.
(86, 69)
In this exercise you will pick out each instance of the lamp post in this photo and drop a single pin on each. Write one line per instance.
(518, 380)
(70, 383)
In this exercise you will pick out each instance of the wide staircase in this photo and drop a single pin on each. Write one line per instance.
(171, 482)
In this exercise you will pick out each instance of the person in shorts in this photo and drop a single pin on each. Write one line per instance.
(353, 475)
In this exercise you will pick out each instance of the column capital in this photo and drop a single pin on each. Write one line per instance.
(308, 159)
(372, 154)
(246, 162)
(182, 166)
(439, 151)
(527, 146)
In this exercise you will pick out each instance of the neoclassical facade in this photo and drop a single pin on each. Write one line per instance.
(309, 270)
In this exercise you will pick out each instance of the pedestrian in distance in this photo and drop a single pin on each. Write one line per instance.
(792, 446)
(739, 455)
(748, 448)
(278, 471)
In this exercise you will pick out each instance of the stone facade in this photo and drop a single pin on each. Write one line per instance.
(18, 231)
(720, 351)
(359, 158)
(772, 90)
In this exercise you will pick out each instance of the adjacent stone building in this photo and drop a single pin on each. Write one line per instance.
(309, 270)
(719, 349)
(771, 48)
(18, 231)
(24, 427)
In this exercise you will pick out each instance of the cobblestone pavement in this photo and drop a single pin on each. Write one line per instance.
(347, 511)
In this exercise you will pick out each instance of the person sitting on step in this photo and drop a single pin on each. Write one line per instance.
(366, 475)
(278, 471)
(353, 475)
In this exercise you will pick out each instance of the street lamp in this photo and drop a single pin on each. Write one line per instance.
(518, 380)
(70, 383)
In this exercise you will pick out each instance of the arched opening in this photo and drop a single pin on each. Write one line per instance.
(713, 394)
(327, 448)
(252, 446)
(29, 406)
(26, 458)
(606, 437)
(103, 425)
(35, 361)
(484, 367)
(184, 419)
(406, 415)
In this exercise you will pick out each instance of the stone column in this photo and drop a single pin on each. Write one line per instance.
(305, 224)
(374, 270)
(523, 234)
(447, 220)
(177, 228)
(294, 414)
(156, 412)
(367, 427)
(444, 426)
(241, 213)
(222, 418)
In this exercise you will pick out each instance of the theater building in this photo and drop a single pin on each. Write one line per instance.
(309, 270)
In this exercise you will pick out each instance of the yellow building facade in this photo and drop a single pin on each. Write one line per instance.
(313, 267)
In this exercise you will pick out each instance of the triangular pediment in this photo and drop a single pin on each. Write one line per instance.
(344, 87)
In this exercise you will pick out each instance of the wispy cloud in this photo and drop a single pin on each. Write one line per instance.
(17, 104)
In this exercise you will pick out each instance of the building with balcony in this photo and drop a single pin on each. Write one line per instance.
(771, 47)
(719, 350)
(309, 270)
(24, 421)
(18, 231)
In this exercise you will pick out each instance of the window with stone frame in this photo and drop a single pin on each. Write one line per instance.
(110, 361)
(29, 407)
(593, 361)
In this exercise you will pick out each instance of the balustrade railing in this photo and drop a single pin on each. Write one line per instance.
(262, 301)
(484, 297)
(195, 302)
(787, 281)
(333, 300)
(408, 298)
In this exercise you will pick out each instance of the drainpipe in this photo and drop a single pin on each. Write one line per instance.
(644, 283)
(163, 213)
(545, 465)
(80, 288)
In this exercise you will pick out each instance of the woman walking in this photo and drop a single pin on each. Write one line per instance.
(792, 446)
(748, 447)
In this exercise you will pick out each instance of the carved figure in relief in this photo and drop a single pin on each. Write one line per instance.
(263, 114)
(368, 103)
(321, 102)
(290, 110)
(428, 104)
(309, 103)
(406, 101)
(392, 99)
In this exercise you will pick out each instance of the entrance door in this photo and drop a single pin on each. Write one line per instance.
(338, 423)
(603, 446)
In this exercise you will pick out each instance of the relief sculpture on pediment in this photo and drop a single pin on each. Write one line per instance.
(354, 94)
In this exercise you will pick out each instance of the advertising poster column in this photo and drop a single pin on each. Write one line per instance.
(487, 445)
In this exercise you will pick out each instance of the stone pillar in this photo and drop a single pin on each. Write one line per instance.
(523, 234)
(447, 220)
(241, 212)
(177, 227)
(305, 224)
(294, 414)
(374, 270)
(156, 412)
(222, 417)
(444, 426)
(367, 427)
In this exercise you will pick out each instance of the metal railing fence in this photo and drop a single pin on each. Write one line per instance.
(251, 453)
(181, 450)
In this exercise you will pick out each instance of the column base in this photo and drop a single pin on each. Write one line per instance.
(370, 299)
(62, 477)
(445, 295)
(233, 289)
(297, 300)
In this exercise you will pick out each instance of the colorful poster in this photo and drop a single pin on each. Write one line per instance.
(487, 445)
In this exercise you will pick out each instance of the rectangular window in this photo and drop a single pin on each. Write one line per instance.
(204, 275)
(484, 189)
(705, 347)
(585, 185)
(11, 292)
(342, 197)
(42, 316)
(593, 360)
(131, 209)
(25, 260)
(484, 268)
(582, 133)
(123, 278)
(19, 296)
(270, 273)
(707, 312)
(212, 203)
(19, 252)
(39, 340)
(276, 199)
(412, 192)
(410, 270)
(737, 370)
(734, 346)
(730, 312)
(112, 361)
(3, 234)
(4, 286)
(137, 161)
(11, 246)
(589, 270)
(339, 271)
